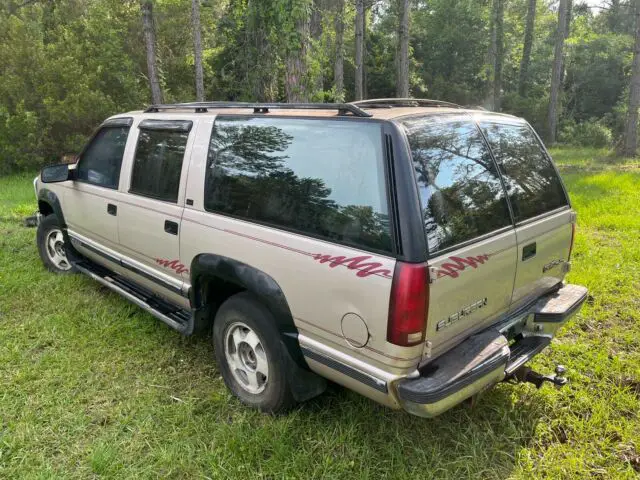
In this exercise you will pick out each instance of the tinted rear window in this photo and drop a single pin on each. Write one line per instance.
(319, 177)
(158, 164)
(460, 190)
(531, 180)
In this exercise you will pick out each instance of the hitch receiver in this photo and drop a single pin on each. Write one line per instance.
(525, 374)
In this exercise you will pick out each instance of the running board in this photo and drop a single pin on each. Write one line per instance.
(524, 350)
(177, 318)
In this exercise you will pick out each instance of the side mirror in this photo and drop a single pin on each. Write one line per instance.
(56, 173)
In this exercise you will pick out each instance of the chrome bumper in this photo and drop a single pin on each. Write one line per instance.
(487, 358)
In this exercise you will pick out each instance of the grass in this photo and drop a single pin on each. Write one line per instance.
(91, 386)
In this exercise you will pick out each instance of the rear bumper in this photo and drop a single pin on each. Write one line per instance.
(487, 358)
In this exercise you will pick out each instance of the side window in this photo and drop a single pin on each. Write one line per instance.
(324, 178)
(532, 183)
(158, 160)
(460, 190)
(101, 161)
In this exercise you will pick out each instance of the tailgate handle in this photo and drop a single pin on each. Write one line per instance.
(529, 251)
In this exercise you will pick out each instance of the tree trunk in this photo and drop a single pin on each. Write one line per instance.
(359, 90)
(296, 81)
(146, 6)
(338, 68)
(556, 71)
(631, 129)
(495, 55)
(316, 35)
(526, 50)
(197, 49)
(402, 72)
(499, 57)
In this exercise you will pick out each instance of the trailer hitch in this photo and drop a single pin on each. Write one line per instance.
(525, 374)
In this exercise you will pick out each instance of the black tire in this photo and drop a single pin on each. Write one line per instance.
(244, 308)
(48, 227)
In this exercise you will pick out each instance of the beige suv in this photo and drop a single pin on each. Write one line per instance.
(411, 250)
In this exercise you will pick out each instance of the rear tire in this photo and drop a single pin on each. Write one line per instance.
(51, 246)
(250, 354)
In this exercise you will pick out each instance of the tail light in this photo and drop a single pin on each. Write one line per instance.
(408, 305)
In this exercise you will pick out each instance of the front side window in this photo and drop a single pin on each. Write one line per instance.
(532, 183)
(158, 163)
(320, 177)
(101, 161)
(461, 193)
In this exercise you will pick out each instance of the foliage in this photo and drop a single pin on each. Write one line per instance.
(591, 133)
(68, 64)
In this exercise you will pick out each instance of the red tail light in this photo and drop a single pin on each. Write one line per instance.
(573, 237)
(408, 305)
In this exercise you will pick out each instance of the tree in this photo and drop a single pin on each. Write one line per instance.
(496, 54)
(631, 129)
(402, 72)
(338, 68)
(556, 70)
(526, 49)
(297, 46)
(359, 60)
(316, 30)
(197, 48)
(146, 7)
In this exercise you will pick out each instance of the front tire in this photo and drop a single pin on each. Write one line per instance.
(51, 246)
(250, 354)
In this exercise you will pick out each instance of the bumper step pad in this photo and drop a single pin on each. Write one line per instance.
(470, 361)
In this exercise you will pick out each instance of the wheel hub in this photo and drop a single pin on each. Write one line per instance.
(246, 357)
(54, 244)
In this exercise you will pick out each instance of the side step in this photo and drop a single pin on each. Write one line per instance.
(177, 318)
(524, 350)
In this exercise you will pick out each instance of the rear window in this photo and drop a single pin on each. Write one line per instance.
(158, 164)
(318, 177)
(531, 180)
(460, 190)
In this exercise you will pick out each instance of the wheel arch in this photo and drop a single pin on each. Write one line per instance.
(214, 278)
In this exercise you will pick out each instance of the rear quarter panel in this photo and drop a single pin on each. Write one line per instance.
(321, 281)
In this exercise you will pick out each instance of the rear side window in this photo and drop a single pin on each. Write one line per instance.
(101, 161)
(323, 178)
(531, 180)
(158, 163)
(461, 193)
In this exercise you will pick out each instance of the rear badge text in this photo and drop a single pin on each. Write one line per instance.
(465, 312)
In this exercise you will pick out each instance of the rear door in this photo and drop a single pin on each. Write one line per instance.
(544, 219)
(467, 222)
(149, 219)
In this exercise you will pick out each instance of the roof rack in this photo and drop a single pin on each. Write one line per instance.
(403, 102)
(202, 107)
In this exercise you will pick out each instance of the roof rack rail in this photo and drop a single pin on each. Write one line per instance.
(403, 102)
(202, 107)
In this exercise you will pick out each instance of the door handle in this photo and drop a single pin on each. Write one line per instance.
(112, 209)
(171, 227)
(529, 251)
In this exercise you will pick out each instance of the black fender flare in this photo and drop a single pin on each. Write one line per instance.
(208, 266)
(50, 198)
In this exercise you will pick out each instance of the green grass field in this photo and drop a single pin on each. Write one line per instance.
(91, 386)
